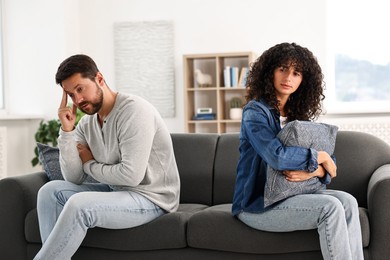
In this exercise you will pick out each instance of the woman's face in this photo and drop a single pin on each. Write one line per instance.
(286, 81)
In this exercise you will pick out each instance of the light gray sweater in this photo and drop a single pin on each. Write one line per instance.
(132, 150)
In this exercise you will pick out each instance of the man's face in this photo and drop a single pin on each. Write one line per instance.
(85, 93)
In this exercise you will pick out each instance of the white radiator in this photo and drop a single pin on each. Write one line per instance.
(379, 129)
(3, 152)
(377, 126)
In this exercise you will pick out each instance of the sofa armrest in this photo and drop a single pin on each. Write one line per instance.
(378, 198)
(18, 195)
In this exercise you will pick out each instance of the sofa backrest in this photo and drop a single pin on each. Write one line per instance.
(358, 155)
(195, 155)
(226, 158)
(207, 165)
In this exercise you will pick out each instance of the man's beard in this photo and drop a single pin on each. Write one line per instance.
(96, 106)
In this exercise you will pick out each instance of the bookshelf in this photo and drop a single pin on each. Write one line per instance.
(210, 88)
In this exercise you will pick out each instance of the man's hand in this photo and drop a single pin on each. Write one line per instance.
(67, 115)
(84, 153)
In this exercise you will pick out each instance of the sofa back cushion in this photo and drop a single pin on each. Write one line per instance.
(358, 155)
(195, 155)
(207, 165)
(226, 159)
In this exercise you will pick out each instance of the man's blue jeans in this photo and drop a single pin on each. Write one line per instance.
(334, 213)
(67, 210)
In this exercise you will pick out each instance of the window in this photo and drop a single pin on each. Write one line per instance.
(359, 56)
(1, 61)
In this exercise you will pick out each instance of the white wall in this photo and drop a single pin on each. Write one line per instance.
(204, 26)
(39, 34)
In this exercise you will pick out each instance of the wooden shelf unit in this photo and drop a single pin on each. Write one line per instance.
(216, 96)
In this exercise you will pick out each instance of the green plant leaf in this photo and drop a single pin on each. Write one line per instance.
(48, 132)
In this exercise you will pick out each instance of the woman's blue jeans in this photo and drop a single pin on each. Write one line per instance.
(334, 213)
(66, 211)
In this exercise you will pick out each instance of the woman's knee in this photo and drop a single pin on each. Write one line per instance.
(350, 205)
(332, 207)
(348, 200)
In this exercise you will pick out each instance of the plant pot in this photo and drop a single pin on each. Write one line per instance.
(235, 113)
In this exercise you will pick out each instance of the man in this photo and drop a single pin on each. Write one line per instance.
(123, 143)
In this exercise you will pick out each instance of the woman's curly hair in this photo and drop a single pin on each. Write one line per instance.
(305, 103)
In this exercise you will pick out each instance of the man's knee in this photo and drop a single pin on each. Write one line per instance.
(56, 190)
(49, 189)
(79, 208)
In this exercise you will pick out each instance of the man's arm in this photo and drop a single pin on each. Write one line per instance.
(70, 162)
(136, 128)
(71, 166)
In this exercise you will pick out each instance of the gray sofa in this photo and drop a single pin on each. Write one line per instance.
(203, 227)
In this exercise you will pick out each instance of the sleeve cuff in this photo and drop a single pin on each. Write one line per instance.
(326, 179)
(313, 162)
(87, 167)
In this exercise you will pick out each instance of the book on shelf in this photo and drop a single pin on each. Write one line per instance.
(204, 116)
(234, 73)
(243, 76)
(234, 77)
(226, 76)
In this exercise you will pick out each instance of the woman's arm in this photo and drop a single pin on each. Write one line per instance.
(260, 129)
(321, 172)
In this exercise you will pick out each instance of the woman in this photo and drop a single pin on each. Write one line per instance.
(285, 84)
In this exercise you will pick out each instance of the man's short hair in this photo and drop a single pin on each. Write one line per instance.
(78, 63)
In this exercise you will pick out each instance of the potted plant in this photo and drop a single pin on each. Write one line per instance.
(235, 111)
(48, 132)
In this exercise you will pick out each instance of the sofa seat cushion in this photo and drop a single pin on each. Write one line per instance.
(215, 228)
(165, 232)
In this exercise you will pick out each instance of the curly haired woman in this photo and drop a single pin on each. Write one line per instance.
(285, 84)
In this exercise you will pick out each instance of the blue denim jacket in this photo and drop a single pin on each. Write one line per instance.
(260, 147)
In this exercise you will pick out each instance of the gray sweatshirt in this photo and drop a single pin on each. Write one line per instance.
(132, 151)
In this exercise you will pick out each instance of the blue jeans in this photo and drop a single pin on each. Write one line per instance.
(67, 210)
(334, 213)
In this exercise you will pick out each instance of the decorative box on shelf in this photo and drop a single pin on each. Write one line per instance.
(204, 116)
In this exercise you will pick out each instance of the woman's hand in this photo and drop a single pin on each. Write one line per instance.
(327, 162)
(304, 175)
(297, 175)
